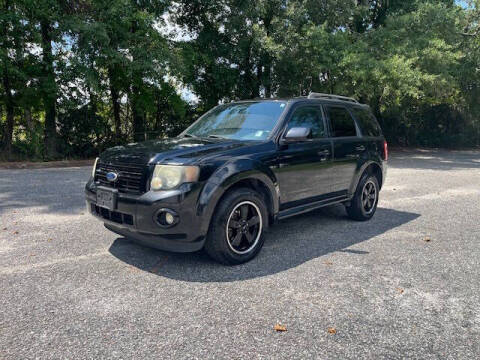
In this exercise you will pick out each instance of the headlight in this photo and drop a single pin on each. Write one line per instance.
(94, 167)
(166, 177)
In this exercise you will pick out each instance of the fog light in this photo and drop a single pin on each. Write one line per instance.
(166, 217)
(169, 219)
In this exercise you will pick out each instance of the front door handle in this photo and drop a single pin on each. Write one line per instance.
(323, 154)
(360, 148)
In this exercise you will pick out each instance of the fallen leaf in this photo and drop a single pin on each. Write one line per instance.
(332, 330)
(5, 229)
(280, 328)
(15, 233)
(50, 239)
(427, 239)
(32, 254)
(400, 290)
(156, 267)
(328, 263)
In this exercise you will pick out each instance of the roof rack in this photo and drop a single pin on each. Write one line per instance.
(314, 95)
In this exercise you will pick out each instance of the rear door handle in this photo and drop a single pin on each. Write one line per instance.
(360, 148)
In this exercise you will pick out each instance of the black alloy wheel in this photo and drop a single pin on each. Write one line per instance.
(244, 227)
(364, 202)
(369, 196)
(237, 228)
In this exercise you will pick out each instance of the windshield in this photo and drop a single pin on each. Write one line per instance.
(240, 121)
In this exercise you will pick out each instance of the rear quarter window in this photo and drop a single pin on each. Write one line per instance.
(342, 124)
(367, 122)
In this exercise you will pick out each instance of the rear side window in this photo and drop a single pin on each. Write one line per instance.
(311, 117)
(367, 122)
(341, 121)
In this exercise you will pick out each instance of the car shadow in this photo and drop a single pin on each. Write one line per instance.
(288, 244)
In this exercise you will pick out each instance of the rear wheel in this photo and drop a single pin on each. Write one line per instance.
(365, 200)
(237, 228)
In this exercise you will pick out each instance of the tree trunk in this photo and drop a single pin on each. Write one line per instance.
(138, 121)
(29, 120)
(267, 74)
(249, 82)
(137, 114)
(115, 104)
(268, 80)
(158, 113)
(8, 130)
(92, 113)
(32, 136)
(49, 92)
(256, 89)
(8, 133)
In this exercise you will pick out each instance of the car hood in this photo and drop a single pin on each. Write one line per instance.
(174, 150)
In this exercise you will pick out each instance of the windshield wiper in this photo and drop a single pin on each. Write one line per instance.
(216, 137)
(188, 136)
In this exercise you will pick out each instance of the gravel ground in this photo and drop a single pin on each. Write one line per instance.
(404, 285)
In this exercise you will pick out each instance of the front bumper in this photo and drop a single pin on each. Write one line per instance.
(135, 217)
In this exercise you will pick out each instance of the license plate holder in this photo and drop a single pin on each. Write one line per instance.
(107, 198)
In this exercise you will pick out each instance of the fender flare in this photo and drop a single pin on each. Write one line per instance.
(359, 173)
(228, 175)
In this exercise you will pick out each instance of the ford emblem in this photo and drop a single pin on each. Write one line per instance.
(111, 176)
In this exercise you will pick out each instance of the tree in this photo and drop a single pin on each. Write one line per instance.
(232, 54)
(18, 66)
(80, 76)
(9, 42)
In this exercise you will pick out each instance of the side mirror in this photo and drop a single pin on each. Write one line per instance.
(297, 134)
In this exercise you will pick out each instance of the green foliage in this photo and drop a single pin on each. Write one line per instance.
(80, 76)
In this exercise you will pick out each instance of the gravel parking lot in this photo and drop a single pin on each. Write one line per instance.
(404, 285)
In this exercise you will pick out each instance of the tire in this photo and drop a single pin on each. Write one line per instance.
(237, 228)
(365, 200)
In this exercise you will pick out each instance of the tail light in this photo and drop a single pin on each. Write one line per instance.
(385, 150)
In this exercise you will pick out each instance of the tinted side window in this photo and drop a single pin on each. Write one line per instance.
(308, 116)
(367, 122)
(341, 121)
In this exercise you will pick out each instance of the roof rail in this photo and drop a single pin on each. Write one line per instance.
(314, 95)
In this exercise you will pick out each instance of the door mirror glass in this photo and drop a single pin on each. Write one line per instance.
(298, 134)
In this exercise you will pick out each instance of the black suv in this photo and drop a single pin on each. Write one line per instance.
(222, 182)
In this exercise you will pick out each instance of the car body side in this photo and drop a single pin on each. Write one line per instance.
(255, 164)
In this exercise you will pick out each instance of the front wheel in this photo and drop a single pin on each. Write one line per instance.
(365, 200)
(236, 232)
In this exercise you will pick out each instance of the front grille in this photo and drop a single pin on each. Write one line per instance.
(131, 178)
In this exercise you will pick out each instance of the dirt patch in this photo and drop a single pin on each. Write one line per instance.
(47, 164)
